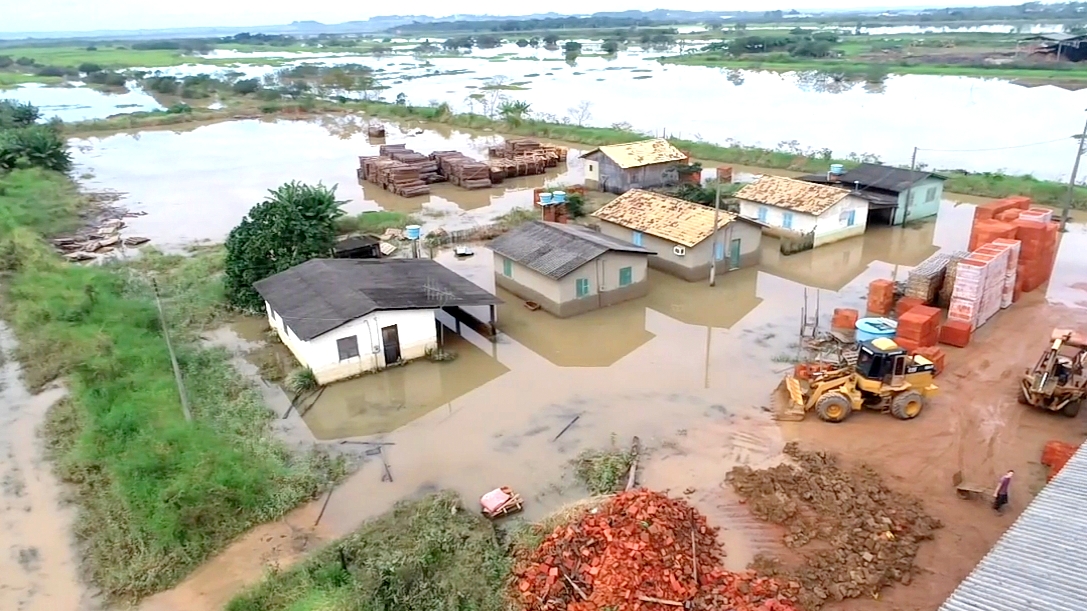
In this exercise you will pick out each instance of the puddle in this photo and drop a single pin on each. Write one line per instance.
(226, 168)
(38, 564)
(79, 103)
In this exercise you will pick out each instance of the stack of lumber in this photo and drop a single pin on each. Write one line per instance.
(524, 165)
(392, 175)
(948, 285)
(918, 328)
(527, 147)
(463, 171)
(925, 280)
(427, 167)
(375, 131)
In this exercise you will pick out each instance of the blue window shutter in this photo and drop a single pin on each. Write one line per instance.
(787, 220)
(636, 238)
(719, 251)
(852, 218)
(762, 214)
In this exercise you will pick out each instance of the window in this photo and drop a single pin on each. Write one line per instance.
(507, 268)
(787, 220)
(851, 219)
(590, 168)
(582, 286)
(348, 347)
(636, 238)
(626, 276)
(719, 251)
(762, 214)
(930, 195)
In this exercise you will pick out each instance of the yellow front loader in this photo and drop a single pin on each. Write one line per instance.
(885, 378)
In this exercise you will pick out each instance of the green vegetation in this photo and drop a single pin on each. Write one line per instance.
(430, 554)
(157, 494)
(375, 222)
(294, 224)
(24, 143)
(604, 471)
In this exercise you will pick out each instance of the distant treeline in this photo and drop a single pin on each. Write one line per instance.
(527, 25)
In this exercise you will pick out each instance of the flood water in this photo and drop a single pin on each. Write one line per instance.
(197, 184)
(949, 118)
(38, 564)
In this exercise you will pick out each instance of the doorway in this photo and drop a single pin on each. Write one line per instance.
(734, 254)
(390, 339)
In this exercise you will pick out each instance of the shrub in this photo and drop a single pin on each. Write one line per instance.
(25, 61)
(89, 67)
(246, 86)
(51, 71)
(5, 61)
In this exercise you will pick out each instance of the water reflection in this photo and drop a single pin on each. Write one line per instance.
(75, 102)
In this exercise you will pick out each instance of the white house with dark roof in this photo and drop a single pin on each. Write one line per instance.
(345, 317)
(568, 269)
(895, 195)
(796, 207)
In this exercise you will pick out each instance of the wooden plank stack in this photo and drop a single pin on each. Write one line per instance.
(947, 287)
(392, 175)
(463, 171)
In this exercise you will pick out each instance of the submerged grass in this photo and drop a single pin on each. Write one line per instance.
(375, 222)
(157, 494)
(426, 554)
(604, 471)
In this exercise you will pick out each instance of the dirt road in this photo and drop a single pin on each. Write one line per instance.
(975, 425)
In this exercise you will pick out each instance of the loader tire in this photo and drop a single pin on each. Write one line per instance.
(908, 405)
(833, 407)
(1071, 410)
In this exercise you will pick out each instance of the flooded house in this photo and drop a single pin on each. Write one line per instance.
(617, 168)
(895, 195)
(344, 317)
(681, 233)
(568, 269)
(792, 207)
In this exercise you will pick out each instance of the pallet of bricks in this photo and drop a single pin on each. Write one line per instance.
(463, 171)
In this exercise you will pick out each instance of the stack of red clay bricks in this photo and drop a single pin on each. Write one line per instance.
(934, 354)
(905, 304)
(956, 333)
(881, 297)
(845, 320)
(1038, 234)
(918, 328)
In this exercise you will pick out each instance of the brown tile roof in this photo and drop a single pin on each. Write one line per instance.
(793, 194)
(673, 219)
(643, 152)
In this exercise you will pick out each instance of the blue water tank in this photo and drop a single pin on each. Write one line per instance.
(412, 232)
(837, 169)
(558, 197)
(545, 199)
(875, 328)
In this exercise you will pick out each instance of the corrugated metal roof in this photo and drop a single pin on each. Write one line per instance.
(1038, 564)
(792, 194)
(557, 249)
(643, 152)
(676, 220)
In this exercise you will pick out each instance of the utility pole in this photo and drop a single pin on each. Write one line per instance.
(1072, 181)
(909, 193)
(716, 220)
(173, 357)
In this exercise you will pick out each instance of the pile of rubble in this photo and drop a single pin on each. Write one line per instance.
(867, 534)
(640, 550)
(100, 239)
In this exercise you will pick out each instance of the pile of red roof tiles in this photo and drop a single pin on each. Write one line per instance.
(635, 551)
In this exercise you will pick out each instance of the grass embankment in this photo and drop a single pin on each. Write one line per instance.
(860, 67)
(157, 495)
(428, 554)
(984, 184)
(375, 222)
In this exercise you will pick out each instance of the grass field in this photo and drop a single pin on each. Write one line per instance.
(13, 79)
(107, 56)
(156, 494)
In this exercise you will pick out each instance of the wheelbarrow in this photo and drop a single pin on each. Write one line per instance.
(968, 490)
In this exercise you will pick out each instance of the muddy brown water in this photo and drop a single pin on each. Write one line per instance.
(38, 562)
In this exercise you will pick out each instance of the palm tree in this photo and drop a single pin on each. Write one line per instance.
(514, 112)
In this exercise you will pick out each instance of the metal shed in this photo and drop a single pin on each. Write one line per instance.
(1038, 563)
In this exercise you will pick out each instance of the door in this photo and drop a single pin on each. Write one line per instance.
(390, 339)
(734, 254)
(898, 375)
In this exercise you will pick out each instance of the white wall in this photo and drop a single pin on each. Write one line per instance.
(592, 170)
(416, 329)
(775, 217)
(830, 226)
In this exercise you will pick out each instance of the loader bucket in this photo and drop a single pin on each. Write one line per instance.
(789, 400)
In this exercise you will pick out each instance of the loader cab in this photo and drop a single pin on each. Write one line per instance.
(883, 361)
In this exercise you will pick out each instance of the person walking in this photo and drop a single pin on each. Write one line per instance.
(1000, 497)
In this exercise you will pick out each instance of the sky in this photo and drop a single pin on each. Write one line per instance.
(86, 15)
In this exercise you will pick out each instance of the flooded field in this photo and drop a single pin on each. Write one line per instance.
(197, 184)
(948, 117)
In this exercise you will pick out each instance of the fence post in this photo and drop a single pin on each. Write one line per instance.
(173, 357)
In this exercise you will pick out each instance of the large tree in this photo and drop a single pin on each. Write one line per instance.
(294, 224)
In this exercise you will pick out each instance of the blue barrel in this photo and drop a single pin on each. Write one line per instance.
(875, 328)
(837, 169)
(545, 199)
(412, 232)
(558, 197)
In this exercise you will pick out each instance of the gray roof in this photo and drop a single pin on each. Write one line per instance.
(1038, 563)
(875, 176)
(321, 294)
(1053, 37)
(557, 249)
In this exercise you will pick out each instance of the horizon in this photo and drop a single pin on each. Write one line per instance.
(66, 16)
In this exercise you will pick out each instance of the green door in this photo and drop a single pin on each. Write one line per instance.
(734, 255)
